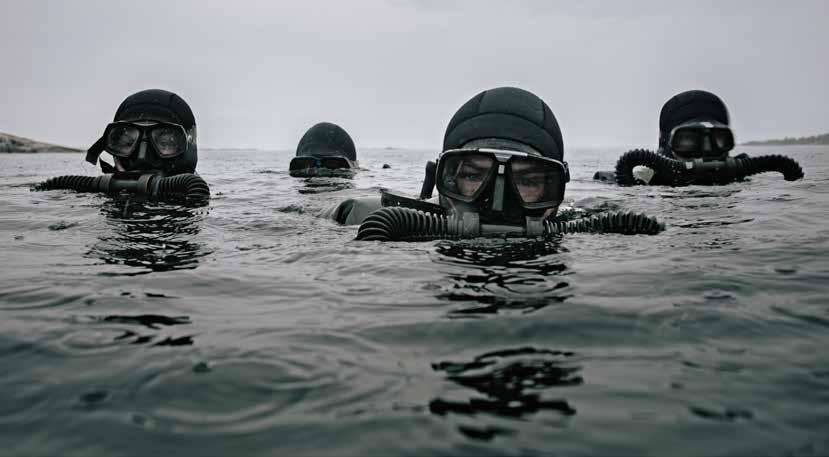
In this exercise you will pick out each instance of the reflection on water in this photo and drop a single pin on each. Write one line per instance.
(150, 329)
(151, 321)
(319, 185)
(151, 236)
(513, 382)
(504, 275)
(685, 194)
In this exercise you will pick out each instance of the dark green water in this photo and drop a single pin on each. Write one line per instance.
(250, 327)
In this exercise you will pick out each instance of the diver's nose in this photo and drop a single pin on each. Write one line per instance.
(706, 144)
(498, 191)
(142, 150)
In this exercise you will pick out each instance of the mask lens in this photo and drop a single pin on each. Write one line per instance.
(723, 139)
(463, 175)
(537, 181)
(686, 140)
(169, 141)
(334, 163)
(302, 163)
(121, 139)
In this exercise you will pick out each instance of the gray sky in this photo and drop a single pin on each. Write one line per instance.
(259, 73)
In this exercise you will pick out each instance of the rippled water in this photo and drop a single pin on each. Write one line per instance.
(251, 327)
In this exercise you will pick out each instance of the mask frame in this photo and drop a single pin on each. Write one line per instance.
(300, 163)
(500, 172)
(702, 133)
(145, 129)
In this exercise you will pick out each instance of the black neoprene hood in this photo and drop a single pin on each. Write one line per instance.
(508, 113)
(691, 105)
(161, 106)
(326, 139)
(156, 105)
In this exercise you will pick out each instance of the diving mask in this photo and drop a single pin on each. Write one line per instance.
(501, 184)
(122, 139)
(311, 166)
(701, 140)
(330, 162)
(129, 140)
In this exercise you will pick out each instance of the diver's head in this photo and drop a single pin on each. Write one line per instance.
(503, 159)
(153, 131)
(694, 125)
(324, 149)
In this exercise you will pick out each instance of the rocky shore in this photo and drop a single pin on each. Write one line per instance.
(12, 143)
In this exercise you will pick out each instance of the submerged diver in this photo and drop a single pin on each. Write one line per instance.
(694, 144)
(152, 140)
(502, 171)
(325, 150)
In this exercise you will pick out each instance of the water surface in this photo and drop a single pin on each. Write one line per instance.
(251, 327)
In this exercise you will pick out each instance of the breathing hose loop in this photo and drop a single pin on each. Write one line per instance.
(407, 224)
(188, 187)
(668, 171)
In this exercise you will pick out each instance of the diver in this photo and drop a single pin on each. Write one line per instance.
(695, 140)
(324, 150)
(152, 140)
(502, 171)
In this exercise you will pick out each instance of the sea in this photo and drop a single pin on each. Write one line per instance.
(250, 326)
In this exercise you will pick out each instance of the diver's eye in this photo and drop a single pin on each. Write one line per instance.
(530, 180)
(166, 138)
(474, 176)
(686, 143)
(168, 141)
(122, 139)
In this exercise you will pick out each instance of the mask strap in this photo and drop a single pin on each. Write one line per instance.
(95, 151)
(107, 168)
(428, 180)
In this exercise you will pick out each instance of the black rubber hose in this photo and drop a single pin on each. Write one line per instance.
(189, 187)
(672, 172)
(407, 224)
(618, 222)
(664, 167)
(71, 182)
(754, 165)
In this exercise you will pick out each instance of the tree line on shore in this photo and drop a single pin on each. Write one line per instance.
(815, 139)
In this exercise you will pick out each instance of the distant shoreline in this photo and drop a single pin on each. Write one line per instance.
(816, 140)
(18, 144)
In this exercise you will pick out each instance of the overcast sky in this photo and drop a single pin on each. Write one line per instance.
(392, 73)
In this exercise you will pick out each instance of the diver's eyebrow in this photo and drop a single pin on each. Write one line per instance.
(474, 166)
(529, 172)
(526, 170)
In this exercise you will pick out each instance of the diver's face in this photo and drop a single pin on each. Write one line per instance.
(146, 145)
(701, 140)
(529, 181)
(145, 159)
(472, 171)
(503, 186)
(692, 149)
